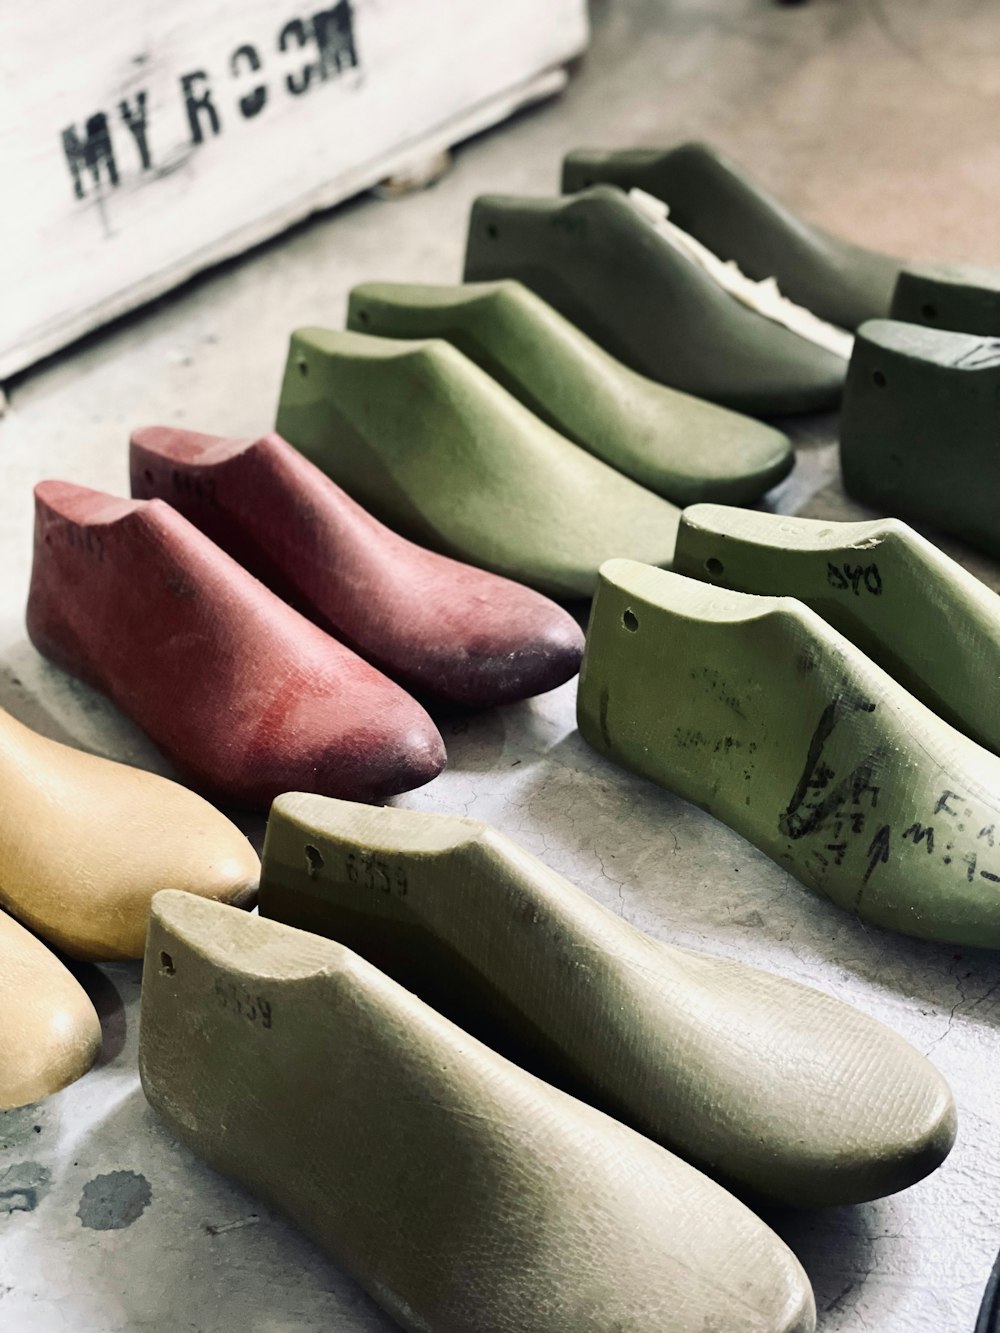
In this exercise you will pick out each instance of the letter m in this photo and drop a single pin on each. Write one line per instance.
(334, 31)
(919, 833)
(93, 152)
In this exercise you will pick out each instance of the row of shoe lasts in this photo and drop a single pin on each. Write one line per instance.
(188, 469)
(920, 412)
(502, 435)
(331, 382)
(247, 615)
(777, 1090)
(154, 603)
(219, 645)
(493, 1101)
(553, 410)
(224, 627)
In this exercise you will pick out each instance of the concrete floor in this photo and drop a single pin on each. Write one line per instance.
(876, 117)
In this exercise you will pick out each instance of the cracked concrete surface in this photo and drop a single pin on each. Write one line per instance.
(877, 118)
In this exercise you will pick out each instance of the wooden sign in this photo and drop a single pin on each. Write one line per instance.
(155, 140)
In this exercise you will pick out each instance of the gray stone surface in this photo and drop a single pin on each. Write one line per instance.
(876, 117)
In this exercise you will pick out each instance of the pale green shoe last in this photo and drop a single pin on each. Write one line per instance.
(463, 1194)
(681, 447)
(772, 1087)
(916, 612)
(760, 712)
(434, 447)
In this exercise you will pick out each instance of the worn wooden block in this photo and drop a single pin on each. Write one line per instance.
(916, 612)
(243, 694)
(142, 144)
(761, 713)
(918, 432)
(601, 262)
(50, 1034)
(678, 446)
(457, 1189)
(85, 843)
(771, 1087)
(427, 441)
(432, 623)
(713, 199)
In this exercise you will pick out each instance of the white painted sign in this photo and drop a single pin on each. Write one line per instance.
(141, 142)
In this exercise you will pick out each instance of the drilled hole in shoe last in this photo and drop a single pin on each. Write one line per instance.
(314, 860)
(878, 379)
(630, 620)
(166, 964)
(714, 567)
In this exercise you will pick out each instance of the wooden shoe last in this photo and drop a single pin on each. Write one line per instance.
(918, 433)
(428, 442)
(50, 1034)
(240, 692)
(678, 446)
(768, 1085)
(602, 264)
(960, 297)
(927, 621)
(463, 1194)
(85, 843)
(432, 623)
(760, 712)
(712, 199)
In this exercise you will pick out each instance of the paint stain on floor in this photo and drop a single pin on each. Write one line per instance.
(23, 1185)
(114, 1201)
